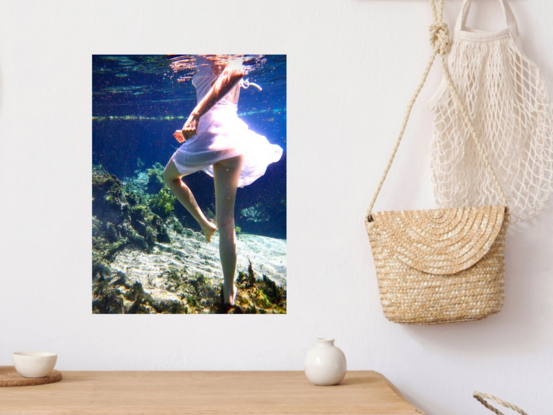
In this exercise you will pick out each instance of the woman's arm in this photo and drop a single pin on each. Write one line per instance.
(222, 86)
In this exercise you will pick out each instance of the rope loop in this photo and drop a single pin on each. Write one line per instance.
(439, 38)
(481, 397)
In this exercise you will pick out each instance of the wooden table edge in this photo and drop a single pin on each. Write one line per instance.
(67, 377)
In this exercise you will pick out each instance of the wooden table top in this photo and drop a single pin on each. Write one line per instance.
(187, 393)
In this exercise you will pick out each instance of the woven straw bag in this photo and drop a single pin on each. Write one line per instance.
(442, 265)
(481, 397)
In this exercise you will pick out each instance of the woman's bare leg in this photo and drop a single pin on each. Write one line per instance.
(226, 175)
(184, 195)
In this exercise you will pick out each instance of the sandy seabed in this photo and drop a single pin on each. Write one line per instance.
(197, 257)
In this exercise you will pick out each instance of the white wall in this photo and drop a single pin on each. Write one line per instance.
(352, 67)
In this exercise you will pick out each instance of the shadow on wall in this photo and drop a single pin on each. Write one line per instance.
(532, 46)
(520, 326)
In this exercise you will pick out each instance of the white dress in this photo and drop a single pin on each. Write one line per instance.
(221, 135)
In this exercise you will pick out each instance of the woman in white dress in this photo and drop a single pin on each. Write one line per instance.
(214, 139)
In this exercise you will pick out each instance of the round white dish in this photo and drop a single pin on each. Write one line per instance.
(34, 364)
(325, 364)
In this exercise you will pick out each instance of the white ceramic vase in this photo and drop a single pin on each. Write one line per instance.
(325, 364)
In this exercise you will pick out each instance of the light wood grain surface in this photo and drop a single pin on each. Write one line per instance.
(187, 393)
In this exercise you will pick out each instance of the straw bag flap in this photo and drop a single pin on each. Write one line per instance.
(438, 241)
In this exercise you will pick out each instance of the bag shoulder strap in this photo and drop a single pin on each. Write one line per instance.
(441, 45)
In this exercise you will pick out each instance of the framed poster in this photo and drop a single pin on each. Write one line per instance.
(189, 184)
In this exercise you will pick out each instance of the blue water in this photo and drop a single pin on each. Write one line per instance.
(138, 102)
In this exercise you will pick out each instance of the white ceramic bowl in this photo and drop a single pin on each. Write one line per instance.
(34, 364)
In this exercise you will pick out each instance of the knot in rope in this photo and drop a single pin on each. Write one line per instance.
(439, 38)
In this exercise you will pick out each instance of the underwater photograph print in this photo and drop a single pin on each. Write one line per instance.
(189, 184)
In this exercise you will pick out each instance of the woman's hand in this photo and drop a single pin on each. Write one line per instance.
(178, 136)
(190, 127)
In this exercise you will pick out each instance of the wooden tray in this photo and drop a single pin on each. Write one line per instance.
(10, 377)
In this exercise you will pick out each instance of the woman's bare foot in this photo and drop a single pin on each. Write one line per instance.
(209, 230)
(230, 298)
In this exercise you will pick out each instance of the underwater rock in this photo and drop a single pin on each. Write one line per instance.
(120, 279)
(155, 179)
(106, 298)
(259, 296)
(119, 296)
(133, 238)
(100, 267)
(247, 280)
(177, 226)
(163, 203)
(136, 185)
(107, 196)
(255, 296)
(111, 232)
(255, 214)
(161, 229)
(138, 219)
(142, 301)
(121, 219)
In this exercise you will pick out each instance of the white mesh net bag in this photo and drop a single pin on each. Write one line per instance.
(508, 103)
